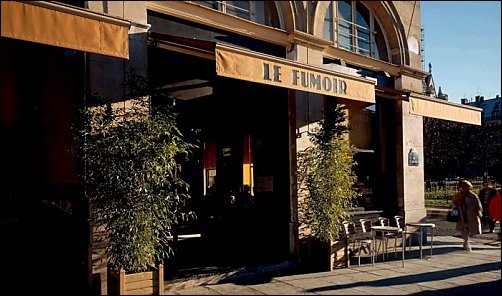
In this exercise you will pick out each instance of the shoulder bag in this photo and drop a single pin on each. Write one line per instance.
(452, 214)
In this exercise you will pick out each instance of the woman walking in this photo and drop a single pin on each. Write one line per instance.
(470, 212)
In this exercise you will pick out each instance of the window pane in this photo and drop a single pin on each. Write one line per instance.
(345, 35)
(380, 47)
(265, 13)
(328, 24)
(259, 13)
(363, 26)
(210, 4)
(345, 10)
(272, 17)
(363, 42)
(238, 8)
(344, 27)
(362, 16)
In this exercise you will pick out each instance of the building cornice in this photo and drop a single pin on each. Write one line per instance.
(412, 72)
(308, 40)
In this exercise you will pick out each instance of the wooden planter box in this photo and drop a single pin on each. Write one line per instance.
(143, 283)
(324, 256)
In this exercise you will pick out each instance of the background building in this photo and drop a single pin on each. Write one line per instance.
(491, 108)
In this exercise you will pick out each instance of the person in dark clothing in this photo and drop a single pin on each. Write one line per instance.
(485, 195)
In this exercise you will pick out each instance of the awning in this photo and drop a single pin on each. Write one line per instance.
(445, 110)
(65, 26)
(195, 47)
(248, 65)
(391, 93)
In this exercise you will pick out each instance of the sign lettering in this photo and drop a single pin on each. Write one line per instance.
(310, 80)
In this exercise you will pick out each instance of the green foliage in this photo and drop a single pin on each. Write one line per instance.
(132, 162)
(453, 149)
(325, 173)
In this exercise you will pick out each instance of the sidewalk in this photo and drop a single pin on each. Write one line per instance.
(450, 271)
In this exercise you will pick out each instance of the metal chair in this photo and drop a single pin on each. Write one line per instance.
(407, 233)
(352, 237)
(366, 226)
(386, 222)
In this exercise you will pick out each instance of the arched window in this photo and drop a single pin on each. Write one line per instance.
(261, 12)
(351, 26)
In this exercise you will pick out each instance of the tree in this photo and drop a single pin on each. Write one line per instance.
(325, 174)
(454, 149)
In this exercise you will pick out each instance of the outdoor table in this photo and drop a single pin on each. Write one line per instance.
(423, 226)
(383, 230)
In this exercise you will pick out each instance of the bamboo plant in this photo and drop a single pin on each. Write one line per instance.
(326, 177)
(132, 157)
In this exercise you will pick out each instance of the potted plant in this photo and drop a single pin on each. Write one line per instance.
(132, 160)
(326, 184)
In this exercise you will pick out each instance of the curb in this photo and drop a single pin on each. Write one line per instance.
(437, 212)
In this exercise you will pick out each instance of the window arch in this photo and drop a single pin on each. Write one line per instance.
(351, 26)
(261, 12)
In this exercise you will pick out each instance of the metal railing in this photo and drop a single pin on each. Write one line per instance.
(441, 192)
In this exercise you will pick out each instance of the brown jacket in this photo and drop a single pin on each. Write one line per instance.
(470, 208)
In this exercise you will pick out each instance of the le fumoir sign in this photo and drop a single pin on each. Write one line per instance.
(260, 68)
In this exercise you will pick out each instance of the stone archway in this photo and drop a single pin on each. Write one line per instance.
(288, 16)
(393, 27)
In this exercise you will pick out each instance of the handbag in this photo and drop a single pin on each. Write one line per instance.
(452, 215)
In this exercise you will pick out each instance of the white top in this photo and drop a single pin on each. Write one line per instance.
(420, 224)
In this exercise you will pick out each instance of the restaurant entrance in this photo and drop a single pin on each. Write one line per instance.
(239, 174)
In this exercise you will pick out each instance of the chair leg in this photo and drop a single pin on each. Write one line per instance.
(372, 250)
(359, 255)
(395, 246)
(378, 250)
(384, 244)
(384, 253)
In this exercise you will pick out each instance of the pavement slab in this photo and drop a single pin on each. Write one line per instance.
(450, 271)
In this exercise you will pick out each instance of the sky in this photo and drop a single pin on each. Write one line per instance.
(462, 41)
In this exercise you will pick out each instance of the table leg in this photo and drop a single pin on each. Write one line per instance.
(374, 247)
(432, 238)
(402, 249)
(421, 235)
(385, 242)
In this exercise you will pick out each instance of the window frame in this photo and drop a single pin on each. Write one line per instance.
(222, 6)
(354, 26)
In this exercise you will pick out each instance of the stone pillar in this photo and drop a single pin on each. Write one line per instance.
(106, 74)
(410, 165)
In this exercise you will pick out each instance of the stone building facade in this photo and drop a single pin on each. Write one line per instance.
(255, 77)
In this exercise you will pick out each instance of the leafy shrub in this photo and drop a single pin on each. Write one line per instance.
(133, 160)
(326, 176)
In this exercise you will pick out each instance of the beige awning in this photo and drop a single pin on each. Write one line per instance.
(65, 26)
(257, 67)
(445, 110)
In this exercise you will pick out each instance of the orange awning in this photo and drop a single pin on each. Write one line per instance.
(65, 26)
(256, 67)
(445, 110)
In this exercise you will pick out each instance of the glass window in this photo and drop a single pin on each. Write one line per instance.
(210, 4)
(328, 24)
(354, 28)
(363, 30)
(262, 12)
(380, 48)
(345, 10)
(237, 8)
(265, 13)
(345, 25)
